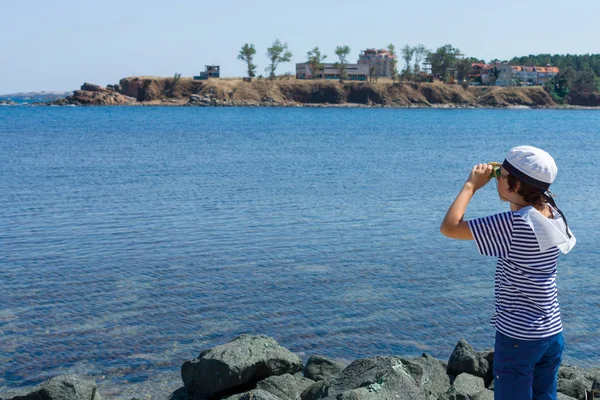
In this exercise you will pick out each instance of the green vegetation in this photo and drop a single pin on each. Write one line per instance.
(277, 53)
(407, 54)
(392, 50)
(443, 60)
(315, 61)
(572, 82)
(342, 52)
(247, 54)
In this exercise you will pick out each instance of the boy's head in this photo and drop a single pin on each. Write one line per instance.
(531, 165)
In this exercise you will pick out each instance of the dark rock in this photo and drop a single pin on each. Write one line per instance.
(484, 395)
(319, 368)
(368, 379)
(283, 386)
(90, 87)
(179, 394)
(302, 383)
(464, 387)
(63, 387)
(237, 366)
(314, 391)
(255, 394)
(574, 381)
(465, 359)
(562, 396)
(430, 374)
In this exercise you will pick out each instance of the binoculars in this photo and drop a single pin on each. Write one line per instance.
(495, 169)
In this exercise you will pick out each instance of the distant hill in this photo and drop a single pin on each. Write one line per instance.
(31, 97)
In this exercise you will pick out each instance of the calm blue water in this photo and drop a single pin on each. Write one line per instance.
(133, 238)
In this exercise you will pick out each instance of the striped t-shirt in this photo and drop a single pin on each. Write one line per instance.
(525, 282)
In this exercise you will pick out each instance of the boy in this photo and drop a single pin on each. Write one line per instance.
(526, 240)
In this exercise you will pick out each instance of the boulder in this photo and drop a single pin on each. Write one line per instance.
(314, 391)
(90, 87)
(302, 383)
(430, 374)
(319, 368)
(464, 387)
(237, 366)
(255, 394)
(63, 387)
(283, 386)
(95, 98)
(179, 394)
(368, 379)
(465, 359)
(484, 395)
(561, 396)
(574, 381)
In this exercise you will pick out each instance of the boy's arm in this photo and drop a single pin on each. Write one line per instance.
(453, 225)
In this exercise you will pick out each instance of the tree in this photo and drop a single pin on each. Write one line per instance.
(443, 59)
(560, 86)
(420, 52)
(407, 55)
(277, 53)
(247, 54)
(584, 82)
(342, 52)
(372, 73)
(315, 61)
(462, 69)
(394, 62)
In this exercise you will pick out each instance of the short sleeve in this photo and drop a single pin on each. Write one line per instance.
(493, 234)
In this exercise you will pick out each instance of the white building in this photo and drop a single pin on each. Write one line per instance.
(381, 60)
(505, 75)
(354, 72)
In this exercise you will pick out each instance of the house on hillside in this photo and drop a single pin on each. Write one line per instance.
(487, 74)
(354, 72)
(210, 71)
(505, 75)
(381, 60)
(526, 76)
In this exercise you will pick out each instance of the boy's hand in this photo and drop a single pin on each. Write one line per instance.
(480, 176)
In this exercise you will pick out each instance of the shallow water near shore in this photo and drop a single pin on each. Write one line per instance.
(133, 238)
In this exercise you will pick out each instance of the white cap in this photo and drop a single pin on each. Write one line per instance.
(536, 166)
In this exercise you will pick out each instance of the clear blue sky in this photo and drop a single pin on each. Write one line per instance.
(57, 45)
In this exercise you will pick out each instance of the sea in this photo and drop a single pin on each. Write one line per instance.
(132, 238)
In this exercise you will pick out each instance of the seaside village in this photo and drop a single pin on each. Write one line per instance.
(380, 63)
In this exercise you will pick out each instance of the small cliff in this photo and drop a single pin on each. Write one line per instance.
(292, 92)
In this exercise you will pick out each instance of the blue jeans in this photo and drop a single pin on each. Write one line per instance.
(526, 369)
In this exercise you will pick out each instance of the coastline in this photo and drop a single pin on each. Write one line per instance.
(258, 366)
(156, 91)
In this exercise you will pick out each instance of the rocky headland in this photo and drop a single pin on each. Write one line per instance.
(319, 93)
(256, 367)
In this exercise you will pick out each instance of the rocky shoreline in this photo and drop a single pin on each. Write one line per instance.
(256, 367)
(151, 91)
